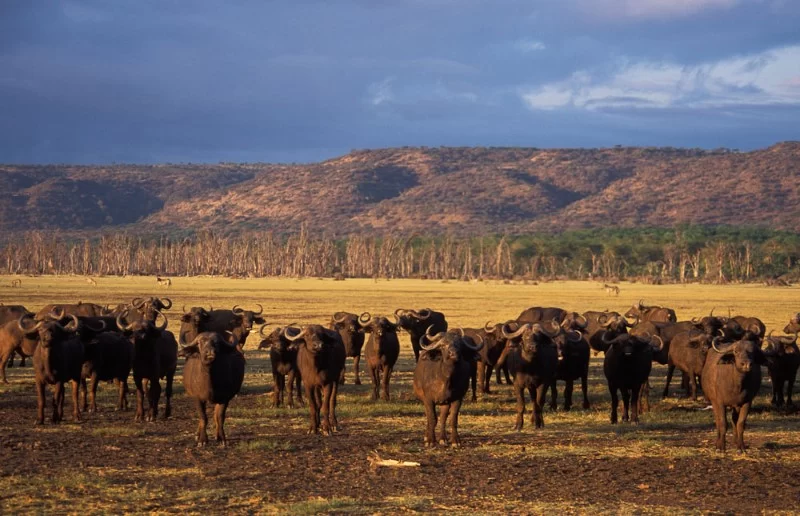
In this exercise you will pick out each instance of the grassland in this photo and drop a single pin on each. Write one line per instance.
(578, 463)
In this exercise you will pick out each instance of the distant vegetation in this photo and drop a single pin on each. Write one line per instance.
(415, 191)
(652, 255)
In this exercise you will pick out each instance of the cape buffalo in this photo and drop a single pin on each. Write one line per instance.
(782, 365)
(731, 378)
(320, 359)
(627, 363)
(417, 322)
(57, 359)
(533, 360)
(381, 352)
(213, 373)
(155, 356)
(441, 377)
(283, 358)
(352, 337)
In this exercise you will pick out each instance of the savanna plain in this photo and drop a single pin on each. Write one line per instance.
(579, 462)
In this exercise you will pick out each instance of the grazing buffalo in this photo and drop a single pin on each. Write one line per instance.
(108, 357)
(416, 324)
(627, 364)
(782, 365)
(381, 352)
(320, 360)
(155, 356)
(57, 359)
(573, 364)
(352, 337)
(283, 357)
(213, 373)
(532, 358)
(687, 352)
(651, 313)
(236, 320)
(441, 378)
(731, 378)
(794, 324)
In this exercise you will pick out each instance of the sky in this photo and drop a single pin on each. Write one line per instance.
(153, 81)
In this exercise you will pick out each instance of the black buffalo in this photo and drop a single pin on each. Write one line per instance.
(416, 324)
(441, 378)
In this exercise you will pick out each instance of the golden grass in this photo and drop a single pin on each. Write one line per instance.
(675, 429)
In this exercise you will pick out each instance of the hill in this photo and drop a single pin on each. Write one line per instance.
(417, 190)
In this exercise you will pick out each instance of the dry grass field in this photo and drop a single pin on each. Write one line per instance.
(579, 463)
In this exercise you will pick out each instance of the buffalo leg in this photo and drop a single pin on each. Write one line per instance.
(635, 393)
(739, 418)
(332, 402)
(93, 395)
(84, 391)
(356, 360)
(313, 410)
(585, 388)
(626, 403)
(139, 383)
(278, 381)
(520, 392)
(444, 410)
(614, 403)
(202, 436)
(538, 396)
(387, 373)
(40, 401)
(430, 423)
(219, 422)
(670, 372)
(568, 394)
(455, 407)
(58, 402)
(326, 409)
(167, 396)
(722, 425)
(76, 408)
(482, 377)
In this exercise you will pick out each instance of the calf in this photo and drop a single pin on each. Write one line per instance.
(283, 358)
(782, 365)
(155, 356)
(213, 373)
(57, 359)
(533, 361)
(416, 324)
(320, 360)
(627, 364)
(441, 377)
(352, 338)
(731, 378)
(381, 352)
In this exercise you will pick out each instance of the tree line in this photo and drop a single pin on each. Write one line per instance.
(681, 254)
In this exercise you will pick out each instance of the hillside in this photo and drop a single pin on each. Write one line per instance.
(417, 190)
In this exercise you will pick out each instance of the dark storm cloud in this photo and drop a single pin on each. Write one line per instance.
(146, 81)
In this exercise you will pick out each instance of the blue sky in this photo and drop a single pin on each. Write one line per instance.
(99, 81)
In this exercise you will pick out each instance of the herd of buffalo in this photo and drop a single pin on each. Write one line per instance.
(86, 342)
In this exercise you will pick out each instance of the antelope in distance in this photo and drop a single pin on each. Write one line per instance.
(611, 289)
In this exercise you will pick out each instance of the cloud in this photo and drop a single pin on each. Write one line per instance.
(647, 9)
(767, 78)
